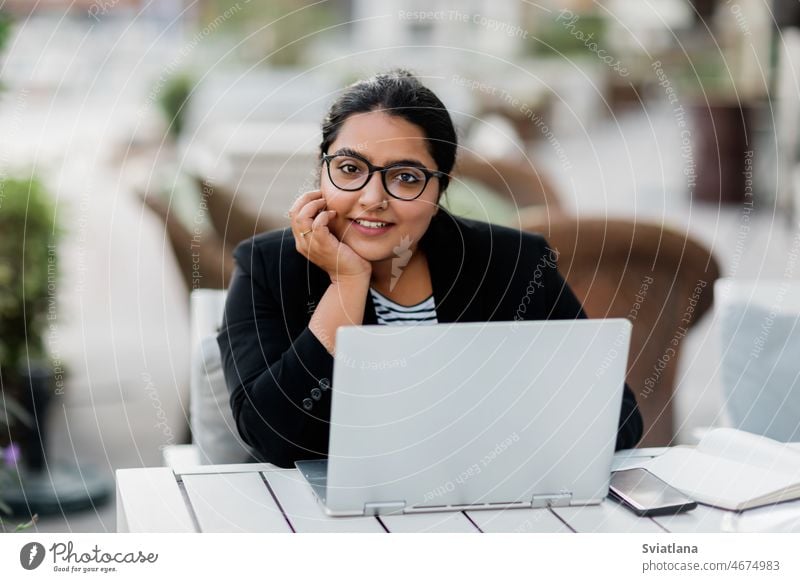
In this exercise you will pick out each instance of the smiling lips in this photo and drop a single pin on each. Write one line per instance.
(371, 227)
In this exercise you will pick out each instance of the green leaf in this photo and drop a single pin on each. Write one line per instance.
(15, 410)
(29, 232)
(5, 28)
(33, 520)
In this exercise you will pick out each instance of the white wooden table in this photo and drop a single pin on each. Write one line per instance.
(264, 498)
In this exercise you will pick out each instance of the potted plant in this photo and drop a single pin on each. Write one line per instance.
(28, 267)
(28, 231)
(29, 376)
(174, 101)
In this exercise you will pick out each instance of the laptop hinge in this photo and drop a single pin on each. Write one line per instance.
(562, 499)
(384, 507)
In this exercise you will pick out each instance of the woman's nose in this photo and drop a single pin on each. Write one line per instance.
(372, 194)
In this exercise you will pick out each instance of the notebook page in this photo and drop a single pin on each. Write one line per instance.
(715, 480)
(751, 449)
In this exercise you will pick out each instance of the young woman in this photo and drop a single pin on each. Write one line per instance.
(372, 246)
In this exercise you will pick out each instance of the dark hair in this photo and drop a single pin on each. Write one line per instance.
(399, 93)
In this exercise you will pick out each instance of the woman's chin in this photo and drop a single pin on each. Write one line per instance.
(370, 251)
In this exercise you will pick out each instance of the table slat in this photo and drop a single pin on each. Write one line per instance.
(232, 468)
(439, 522)
(608, 516)
(149, 500)
(305, 513)
(234, 502)
(702, 519)
(520, 520)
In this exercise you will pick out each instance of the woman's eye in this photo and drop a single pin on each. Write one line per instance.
(349, 169)
(408, 178)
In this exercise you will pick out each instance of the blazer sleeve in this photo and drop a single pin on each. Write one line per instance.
(562, 304)
(279, 386)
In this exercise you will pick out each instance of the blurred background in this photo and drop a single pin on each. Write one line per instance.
(655, 143)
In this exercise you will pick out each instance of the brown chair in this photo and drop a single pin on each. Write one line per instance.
(232, 221)
(514, 178)
(205, 257)
(659, 278)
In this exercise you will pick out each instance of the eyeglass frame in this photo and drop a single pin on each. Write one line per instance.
(326, 158)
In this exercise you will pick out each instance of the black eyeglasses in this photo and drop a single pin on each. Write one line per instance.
(350, 173)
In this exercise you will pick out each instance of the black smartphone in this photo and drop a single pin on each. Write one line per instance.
(646, 494)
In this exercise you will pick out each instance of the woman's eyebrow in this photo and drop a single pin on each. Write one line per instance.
(408, 162)
(350, 152)
(355, 154)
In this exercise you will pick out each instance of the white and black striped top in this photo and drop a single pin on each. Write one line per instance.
(390, 313)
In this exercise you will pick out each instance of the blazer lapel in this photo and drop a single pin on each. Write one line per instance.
(452, 276)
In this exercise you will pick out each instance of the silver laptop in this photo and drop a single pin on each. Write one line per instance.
(472, 416)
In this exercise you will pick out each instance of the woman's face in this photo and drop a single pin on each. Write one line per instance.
(382, 140)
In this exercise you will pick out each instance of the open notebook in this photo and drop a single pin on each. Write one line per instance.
(732, 469)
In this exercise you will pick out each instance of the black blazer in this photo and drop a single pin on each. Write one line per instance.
(279, 374)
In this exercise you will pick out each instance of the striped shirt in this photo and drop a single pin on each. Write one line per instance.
(390, 313)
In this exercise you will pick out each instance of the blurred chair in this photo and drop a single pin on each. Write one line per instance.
(266, 164)
(515, 179)
(660, 279)
(215, 438)
(498, 189)
(204, 251)
(759, 327)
